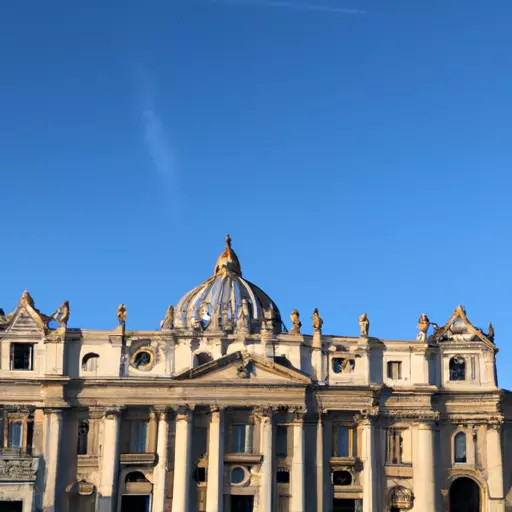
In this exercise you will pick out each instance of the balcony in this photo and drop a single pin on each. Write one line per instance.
(17, 464)
(243, 458)
(138, 459)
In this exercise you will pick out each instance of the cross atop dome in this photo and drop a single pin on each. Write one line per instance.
(228, 260)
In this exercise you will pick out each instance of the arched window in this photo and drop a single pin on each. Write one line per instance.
(202, 358)
(459, 448)
(90, 362)
(457, 368)
(83, 431)
(135, 476)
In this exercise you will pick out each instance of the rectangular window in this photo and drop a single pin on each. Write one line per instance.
(22, 356)
(282, 441)
(241, 438)
(395, 446)
(344, 441)
(15, 434)
(394, 370)
(139, 437)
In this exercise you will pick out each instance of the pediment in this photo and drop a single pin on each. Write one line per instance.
(25, 320)
(460, 329)
(244, 368)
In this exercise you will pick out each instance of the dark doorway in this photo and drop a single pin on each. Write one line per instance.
(242, 503)
(464, 496)
(135, 503)
(11, 506)
(344, 506)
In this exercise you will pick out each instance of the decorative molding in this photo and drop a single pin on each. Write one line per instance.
(18, 468)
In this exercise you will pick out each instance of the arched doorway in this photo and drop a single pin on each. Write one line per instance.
(464, 495)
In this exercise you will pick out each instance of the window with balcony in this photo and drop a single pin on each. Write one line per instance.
(138, 437)
(241, 438)
(394, 370)
(282, 441)
(22, 356)
(395, 446)
(15, 434)
(459, 448)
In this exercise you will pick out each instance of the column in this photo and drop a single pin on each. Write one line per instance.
(109, 461)
(368, 456)
(319, 464)
(151, 444)
(298, 501)
(214, 490)
(423, 467)
(267, 477)
(160, 471)
(495, 465)
(51, 448)
(182, 463)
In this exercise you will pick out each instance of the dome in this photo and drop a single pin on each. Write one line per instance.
(227, 301)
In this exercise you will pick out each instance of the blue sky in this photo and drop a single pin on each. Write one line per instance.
(358, 152)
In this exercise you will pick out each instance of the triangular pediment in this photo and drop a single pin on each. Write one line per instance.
(26, 319)
(460, 329)
(245, 368)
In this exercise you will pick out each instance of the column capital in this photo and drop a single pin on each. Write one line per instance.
(298, 414)
(263, 414)
(53, 410)
(183, 413)
(112, 413)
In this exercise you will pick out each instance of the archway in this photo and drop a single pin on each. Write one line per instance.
(464, 495)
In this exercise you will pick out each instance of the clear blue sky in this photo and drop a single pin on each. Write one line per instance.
(358, 152)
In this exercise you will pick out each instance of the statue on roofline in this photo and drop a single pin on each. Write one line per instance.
(121, 314)
(364, 325)
(423, 325)
(317, 320)
(61, 316)
(168, 322)
(295, 317)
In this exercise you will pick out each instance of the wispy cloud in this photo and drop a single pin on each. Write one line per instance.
(296, 6)
(156, 139)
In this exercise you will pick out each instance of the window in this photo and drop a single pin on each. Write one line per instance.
(138, 438)
(395, 446)
(459, 448)
(90, 362)
(142, 359)
(457, 368)
(341, 478)
(394, 370)
(16, 434)
(241, 438)
(342, 365)
(200, 475)
(282, 441)
(282, 477)
(202, 358)
(344, 441)
(83, 431)
(22, 356)
(238, 475)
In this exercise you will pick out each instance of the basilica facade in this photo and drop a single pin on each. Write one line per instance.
(225, 409)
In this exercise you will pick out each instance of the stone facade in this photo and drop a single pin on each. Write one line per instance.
(223, 409)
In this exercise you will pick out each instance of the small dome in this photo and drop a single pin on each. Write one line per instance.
(227, 301)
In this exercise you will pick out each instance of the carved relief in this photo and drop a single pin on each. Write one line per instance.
(400, 498)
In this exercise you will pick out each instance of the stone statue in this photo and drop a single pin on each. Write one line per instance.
(491, 331)
(423, 325)
(244, 315)
(364, 325)
(121, 314)
(61, 316)
(295, 317)
(3, 320)
(317, 321)
(168, 322)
